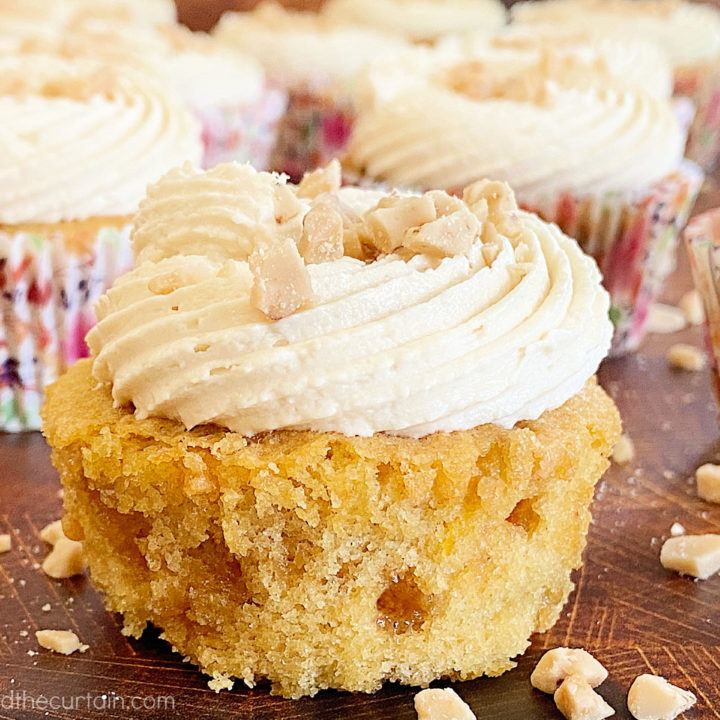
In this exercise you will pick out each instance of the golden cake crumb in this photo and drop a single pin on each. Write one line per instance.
(561, 662)
(445, 704)
(52, 532)
(65, 559)
(624, 450)
(653, 698)
(707, 477)
(686, 357)
(220, 682)
(576, 700)
(696, 555)
(64, 642)
(5, 543)
(692, 306)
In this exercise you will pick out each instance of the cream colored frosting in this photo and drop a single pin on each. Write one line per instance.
(687, 32)
(304, 48)
(406, 346)
(451, 124)
(419, 20)
(79, 139)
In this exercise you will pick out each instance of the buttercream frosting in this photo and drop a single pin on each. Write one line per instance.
(80, 139)
(405, 345)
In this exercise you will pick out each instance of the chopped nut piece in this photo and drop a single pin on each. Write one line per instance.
(447, 236)
(220, 682)
(60, 641)
(576, 700)
(286, 203)
(692, 306)
(665, 318)
(65, 560)
(696, 555)
(445, 704)
(52, 533)
(394, 216)
(5, 543)
(325, 179)
(47, 607)
(557, 664)
(686, 357)
(493, 194)
(624, 450)
(281, 281)
(445, 204)
(708, 482)
(653, 698)
(677, 529)
(322, 235)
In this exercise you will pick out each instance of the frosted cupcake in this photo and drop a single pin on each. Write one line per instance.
(419, 20)
(224, 89)
(365, 425)
(599, 157)
(80, 142)
(689, 33)
(316, 62)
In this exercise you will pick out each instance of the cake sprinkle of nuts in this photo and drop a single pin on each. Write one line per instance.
(652, 697)
(561, 662)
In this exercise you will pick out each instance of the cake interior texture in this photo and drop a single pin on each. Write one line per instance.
(317, 560)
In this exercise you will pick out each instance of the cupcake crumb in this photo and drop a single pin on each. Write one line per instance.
(562, 662)
(707, 477)
(576, 700)
(695, 555)
(665, 319)
(65, 560)
(686, 357)
(64, 642)
(692, 307)
(652, 697)
(677, 529)
(5, 543)
(442, 704)
(220, 681)
(624, 450)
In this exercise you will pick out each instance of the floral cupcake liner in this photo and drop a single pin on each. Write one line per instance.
(702, 239)
(245, 133)
(702, 86)
(49, 289)
(316, 128)
(632, 238)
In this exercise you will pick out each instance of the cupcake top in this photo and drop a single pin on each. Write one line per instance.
(259, 305)
(299, 48)
(80, 139)
(202, 71)
(542, 127)
(688, 32)
(419, 20)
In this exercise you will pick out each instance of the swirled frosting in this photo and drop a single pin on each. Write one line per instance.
(419, 20)
(298, 48)
(405, 345)
(79, 139)
(687, 32)
(451, 125)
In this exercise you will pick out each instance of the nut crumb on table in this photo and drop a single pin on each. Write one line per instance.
(652, 697)
(692, 306)
(665, 319)
(442, 704)
(65, 559)
(576, 700)
(686, 357)
(64, 642)
(52, 532)
(708, 482)
(696, 555)
(562, 662)
(624, 450)
(5, 543)
(677, 529)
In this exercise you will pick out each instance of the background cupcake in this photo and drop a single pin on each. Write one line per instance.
(689, 34)
(81, 141)
(316, 61)
(581, 147)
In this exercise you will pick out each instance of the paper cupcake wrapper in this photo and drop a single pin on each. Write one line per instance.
(632, 238)
(702, 86)
(702, 239)
(48, 295)
(316, 128)
(244, 133)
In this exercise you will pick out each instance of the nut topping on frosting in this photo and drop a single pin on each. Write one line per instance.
(322, 236)
(322, 180)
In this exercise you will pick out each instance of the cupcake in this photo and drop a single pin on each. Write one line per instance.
(601, 158)
(335, 437)
(316, 62)
(702, 238)
(689, 33)
(80, 142)
(419, 21)
(224, 89)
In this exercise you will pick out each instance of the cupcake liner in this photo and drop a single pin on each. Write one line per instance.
(245, 133)
(632, 238)
(316, 128)
(49, 289)
(702, 239)
(702, 86)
